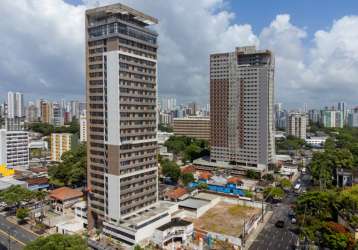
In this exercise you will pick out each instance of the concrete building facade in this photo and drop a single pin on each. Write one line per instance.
(193, 126)
(332, 119)
(83, 127)
(297, 125)
(242, 107)
(121, 54)
(59, 144)
(14, 148)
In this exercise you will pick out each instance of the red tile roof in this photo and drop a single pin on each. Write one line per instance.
(176, 193)
(188, 169)
(65, 193)
(37, 181)
(205, 175)
(234, 180)
(39, 169)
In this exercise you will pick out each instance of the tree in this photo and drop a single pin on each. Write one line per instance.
(252, 174)
(285, 183)
(137, 247)
(22, 214)
(164, 128)
(268, 177)
(187, 178)
(192, 152)
(72, 170)
(170, 169)
(274, 193)
(57, 242)
(203, 186)
(14, 195)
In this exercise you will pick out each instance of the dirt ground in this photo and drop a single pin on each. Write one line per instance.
(225, 218)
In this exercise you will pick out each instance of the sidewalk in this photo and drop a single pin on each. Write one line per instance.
(252, 237)
(13, 220)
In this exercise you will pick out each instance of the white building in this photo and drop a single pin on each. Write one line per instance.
(15, 105)
(316, 141)
(297, 125)
(176, 229)
(83, 127)
(14, 148)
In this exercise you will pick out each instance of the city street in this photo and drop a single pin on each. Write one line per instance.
(19, 236)
(273, 238)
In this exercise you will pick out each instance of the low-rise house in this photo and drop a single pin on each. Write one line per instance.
(177, 194)
(175, 230)
(63, 198)
(37, 183)
(39, 171)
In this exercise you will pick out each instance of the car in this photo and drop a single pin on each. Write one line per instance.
(280, 224)
(293, 220)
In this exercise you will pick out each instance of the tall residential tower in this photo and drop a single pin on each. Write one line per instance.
(122, 170)
(242, 102)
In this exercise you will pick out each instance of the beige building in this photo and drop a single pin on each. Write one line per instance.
(121, 84)
(192, 126)
(59, 144)
(46, 112)
(297, 125)
(241, 107)
(83, 127)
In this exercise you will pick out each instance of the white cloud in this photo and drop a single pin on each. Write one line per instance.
(42, 49)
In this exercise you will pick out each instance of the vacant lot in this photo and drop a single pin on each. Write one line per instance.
(225, 218)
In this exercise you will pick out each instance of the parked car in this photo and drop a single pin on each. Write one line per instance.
(293, 220)
(280, 224)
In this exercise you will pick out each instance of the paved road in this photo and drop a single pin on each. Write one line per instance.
(19, 236)
(273, 238)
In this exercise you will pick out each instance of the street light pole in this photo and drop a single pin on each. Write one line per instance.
(9, 238)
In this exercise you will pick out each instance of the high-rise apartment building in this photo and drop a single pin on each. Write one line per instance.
(83, 127)
(15, 105)
(75, 109)
(242, 103)
(31, 113)
(59, 144)
(297, 125)
(332, 118)
(14, 148)
(192, 126)
(121, 54)
(46, 112)
(15, 118)
(57, 115)
(353, 118)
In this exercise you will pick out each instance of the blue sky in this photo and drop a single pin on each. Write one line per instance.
(311, 14)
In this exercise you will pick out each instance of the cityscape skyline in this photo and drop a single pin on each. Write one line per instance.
(301, 62)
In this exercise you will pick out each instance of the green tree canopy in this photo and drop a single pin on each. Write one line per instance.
(170, 169)
(274, 193)
(14, 195)
(72, 169)
(47, 129)
(22, 214)
(187, 147)
(57, 242)
(187, 178)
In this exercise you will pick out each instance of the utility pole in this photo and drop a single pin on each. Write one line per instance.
(9, 238)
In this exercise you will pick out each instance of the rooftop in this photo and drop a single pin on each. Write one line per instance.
(65, 193)
(176, 193)
(136, 220)
(174, 223)
(193, 203)
(124, 10)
